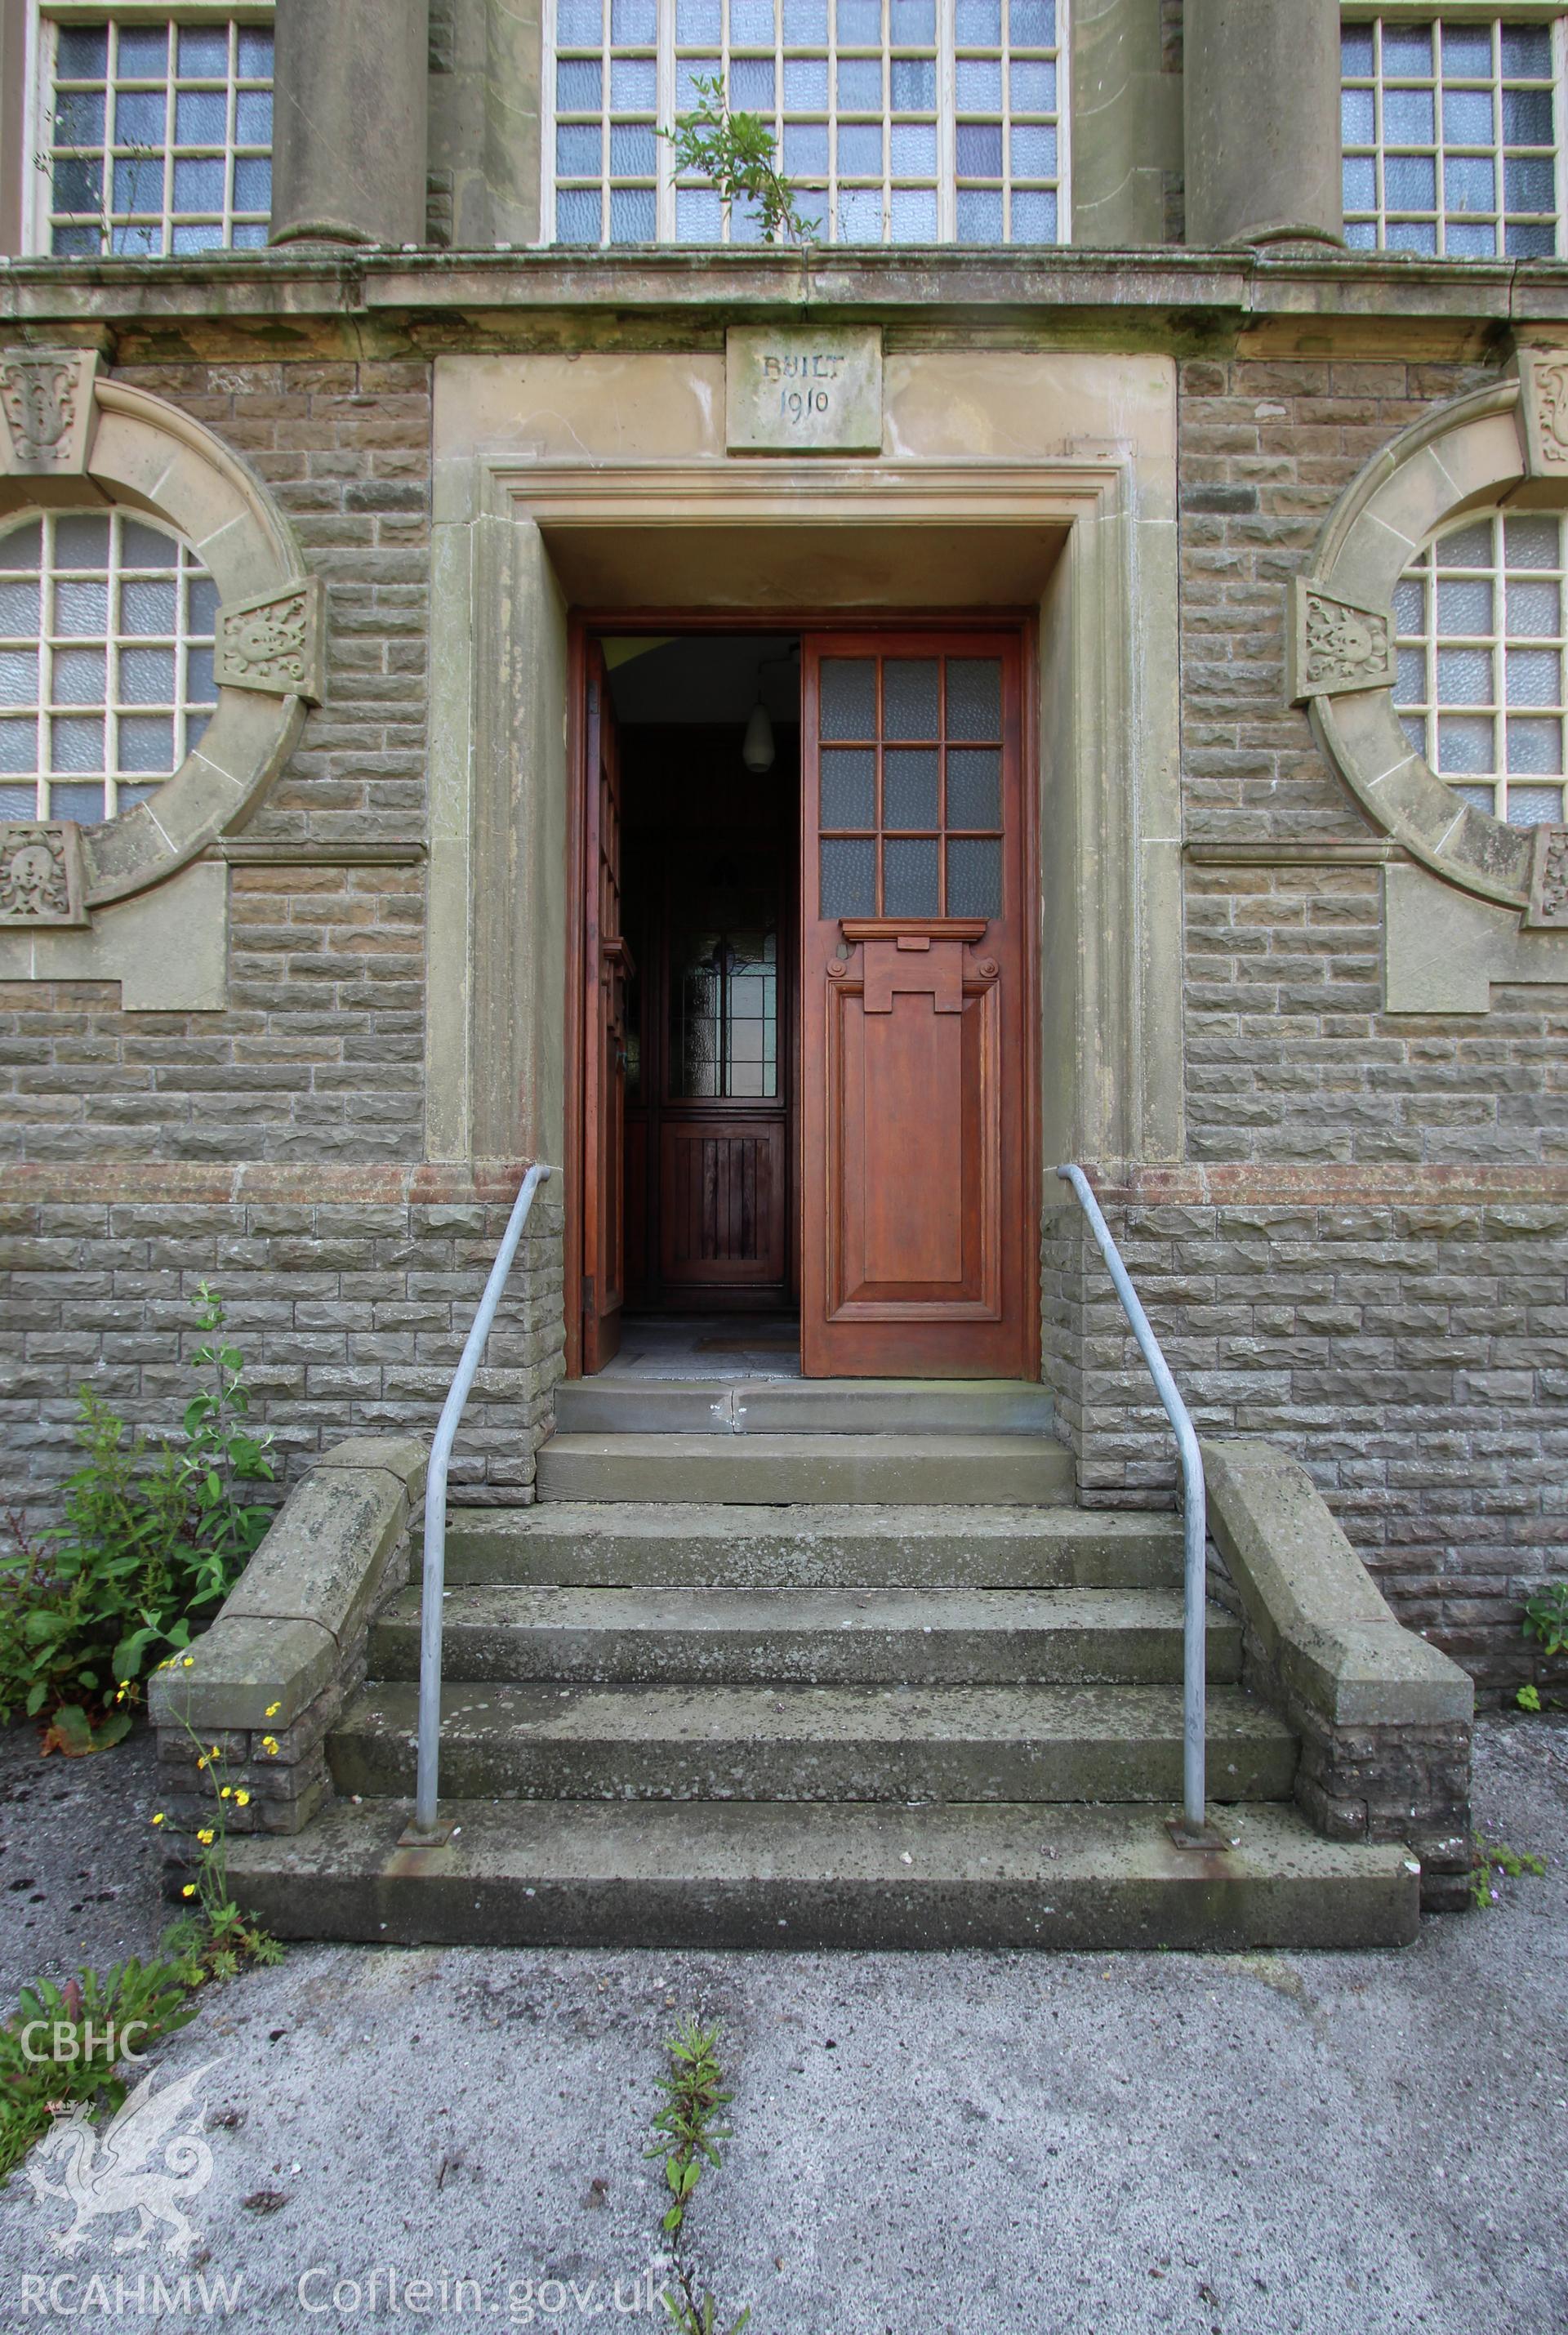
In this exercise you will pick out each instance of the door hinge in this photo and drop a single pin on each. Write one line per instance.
(587, 1292)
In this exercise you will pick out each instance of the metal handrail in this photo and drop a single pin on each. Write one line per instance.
(426, 1788)
(1194, 1605)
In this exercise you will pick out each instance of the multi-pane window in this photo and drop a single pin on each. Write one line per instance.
(724, 983)
(106, 631)
(910, 778)
(1450, 136)
(895, 120)
(156, 136)
(1481, 640)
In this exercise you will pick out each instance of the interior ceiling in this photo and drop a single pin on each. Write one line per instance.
(704, 678)
(931, 565)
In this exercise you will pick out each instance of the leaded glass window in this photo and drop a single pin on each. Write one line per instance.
(1481, 638)
(1450, 131)
(156, 135)
(897, 121)
(106, 634)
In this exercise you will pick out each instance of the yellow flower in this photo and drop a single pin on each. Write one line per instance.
(159, 1817)
(188, 1662)
(227, 1793)
(201, 1759)
(273, 1709)
(242, 1799)
(269, 1745)
(207, 1837)
(189, 1890)
(215, 1753)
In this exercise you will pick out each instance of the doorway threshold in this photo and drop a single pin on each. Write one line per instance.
(724, 1347)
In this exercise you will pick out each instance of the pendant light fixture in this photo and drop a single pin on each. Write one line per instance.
(757, 749)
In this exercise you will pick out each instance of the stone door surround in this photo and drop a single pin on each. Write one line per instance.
(548, 467)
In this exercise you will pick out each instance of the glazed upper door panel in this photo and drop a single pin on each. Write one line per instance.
(606, 966)
(918, 1255)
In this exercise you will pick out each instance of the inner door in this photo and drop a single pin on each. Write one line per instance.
(918, 1250)
(607, 968)
(711, 850)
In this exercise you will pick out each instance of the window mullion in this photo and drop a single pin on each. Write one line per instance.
(1559, 143)
(664, 113)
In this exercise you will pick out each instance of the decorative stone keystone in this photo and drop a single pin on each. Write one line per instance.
(275, 642)
(40, 875)
(1337, 645)
(1548, 880)
(1544, 398)
(46, 397)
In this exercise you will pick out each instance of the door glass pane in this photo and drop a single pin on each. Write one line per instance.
(973, 697)
(909, 698)
(723, 978)
(909, 789)
(848, 697)
(849, 878)
(849, 787)
(974, 875)
(909, 879)
(974, 787)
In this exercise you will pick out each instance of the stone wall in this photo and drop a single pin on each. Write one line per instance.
(1363, 1257)
(319, 1053)
(350, 1292)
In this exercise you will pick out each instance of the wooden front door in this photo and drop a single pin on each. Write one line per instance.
(607, 968)
(918, 1247)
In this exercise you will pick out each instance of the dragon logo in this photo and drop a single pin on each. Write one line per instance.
(149, 2158)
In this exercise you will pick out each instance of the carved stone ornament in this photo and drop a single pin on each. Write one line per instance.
(40, 875)
(1548, 906)
(1337, 644)
(1543, 394)
(275, 642)
(46, 398)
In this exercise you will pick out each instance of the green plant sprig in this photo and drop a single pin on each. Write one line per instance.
(153, 1539)
(735, 152)
(1491, 1858)
(686, 2135)
(1546, 1618)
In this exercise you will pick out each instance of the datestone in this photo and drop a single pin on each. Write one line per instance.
(794, 390)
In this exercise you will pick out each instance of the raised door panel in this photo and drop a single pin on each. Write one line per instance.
(913, 1168)
(723, 1218)
(919, 1243)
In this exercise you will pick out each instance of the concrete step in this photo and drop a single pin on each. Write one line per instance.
(864, 1875)
(629, 1543)
(1004, 1470)
(751, 1406)
(822, 1636)
(902, 1743)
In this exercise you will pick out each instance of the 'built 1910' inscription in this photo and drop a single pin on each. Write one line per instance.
(793, 390)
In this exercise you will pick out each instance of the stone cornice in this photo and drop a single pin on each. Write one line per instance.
(381, 302)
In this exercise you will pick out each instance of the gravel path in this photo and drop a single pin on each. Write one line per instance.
(986, 2144)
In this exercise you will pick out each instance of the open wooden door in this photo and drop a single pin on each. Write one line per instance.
(919, 1245)
(607, 966)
